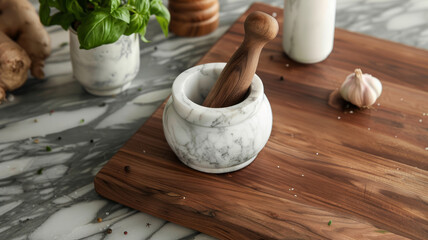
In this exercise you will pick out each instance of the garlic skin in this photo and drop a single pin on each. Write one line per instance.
(361, 89)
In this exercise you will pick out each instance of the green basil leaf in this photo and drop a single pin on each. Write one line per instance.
(137, 24)
(44, 12)
(96, 3)
(164, 23)
(74, 7)
(144, 39)
(63, 19)
(122, 14)
(58, 4)
(142, 6)
(162, 15)
(130, 8)
(99, 28)
(114, 4)
(52, 3)
(142, 32)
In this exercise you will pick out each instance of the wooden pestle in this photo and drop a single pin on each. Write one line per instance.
(235, 79)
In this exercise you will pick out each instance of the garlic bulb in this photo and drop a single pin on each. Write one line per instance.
(361, 89)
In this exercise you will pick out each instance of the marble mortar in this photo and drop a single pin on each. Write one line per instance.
(215, 140)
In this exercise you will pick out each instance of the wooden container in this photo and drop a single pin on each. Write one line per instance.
(191, 18)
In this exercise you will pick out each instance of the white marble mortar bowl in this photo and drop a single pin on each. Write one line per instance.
(215, 140)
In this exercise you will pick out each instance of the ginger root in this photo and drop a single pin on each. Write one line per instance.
(20, 22)
(14, 65)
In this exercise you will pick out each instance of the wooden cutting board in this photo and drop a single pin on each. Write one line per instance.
(366, 171)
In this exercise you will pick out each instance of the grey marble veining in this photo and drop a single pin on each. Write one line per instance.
(49, 194)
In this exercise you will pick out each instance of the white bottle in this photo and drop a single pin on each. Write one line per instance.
(308, 29)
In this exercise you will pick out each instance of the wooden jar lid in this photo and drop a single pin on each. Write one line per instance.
(193, 18)
(194, 29)
(179, 6)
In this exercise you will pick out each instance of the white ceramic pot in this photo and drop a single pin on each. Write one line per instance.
(215, 140)
(308, 29)
(108, 69)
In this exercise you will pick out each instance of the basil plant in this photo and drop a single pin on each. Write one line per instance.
(99, 22)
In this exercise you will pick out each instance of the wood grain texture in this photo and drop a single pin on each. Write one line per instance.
(191, 5)
(234, 81)
(189, 16)
(365, 170)
(193, 18)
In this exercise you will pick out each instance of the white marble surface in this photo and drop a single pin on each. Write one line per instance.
(49, 194)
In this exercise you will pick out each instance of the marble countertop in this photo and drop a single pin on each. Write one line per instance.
(50, 194)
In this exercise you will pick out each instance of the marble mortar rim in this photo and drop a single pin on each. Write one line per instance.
(186, 108)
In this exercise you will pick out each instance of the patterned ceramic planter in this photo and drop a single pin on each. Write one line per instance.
(108, 69)
(215, 140)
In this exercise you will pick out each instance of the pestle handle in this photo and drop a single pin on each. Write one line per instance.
(234, 81)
